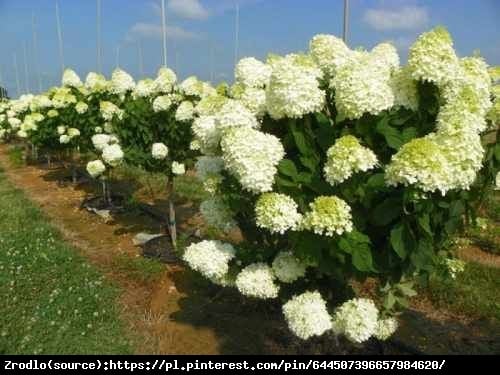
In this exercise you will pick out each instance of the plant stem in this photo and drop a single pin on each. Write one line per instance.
(172, 226)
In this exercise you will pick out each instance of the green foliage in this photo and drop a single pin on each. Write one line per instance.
(141, 127)
(397, 229)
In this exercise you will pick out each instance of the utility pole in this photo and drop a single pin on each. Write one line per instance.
(236, 34)
(16, 71)
(26, 74)
(60, 37)
(98, 25)
(164, 32)
(346, 21)
(35, 53)
(141, 61)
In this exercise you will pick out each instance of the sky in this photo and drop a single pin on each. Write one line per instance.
(201, 33)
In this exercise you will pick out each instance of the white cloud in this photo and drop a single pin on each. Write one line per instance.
(405, 18)
(151, 30)
(191, 9)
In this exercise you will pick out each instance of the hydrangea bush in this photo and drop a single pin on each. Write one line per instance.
(342, 164)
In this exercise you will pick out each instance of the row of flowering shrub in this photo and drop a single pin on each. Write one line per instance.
(334, 165)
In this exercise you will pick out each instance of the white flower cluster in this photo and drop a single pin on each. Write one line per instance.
(110, 111)
(450, 158)
(356, 319)
(162, 103)
(71, 79)
(144, 88)
(63, 98)
(178, 168)
(277, 213)
(191, 86)
(217, 214)
(112, 155)
(287, 268)
(40, 102)
(159, 151)
(497, 181)
(346, 157)
(363, 85)
(420, 162)
(81, 108)
(328, 216)
(404, 88)
(234, 114)
(307, 316)
(257, 280)
(329, 52)
(96, 168)
(210, 105)
(253, 73)
(121, 82)
(67, 134)
(100, 141)
(165, 80)
(293, 89)
(432, 57)
(210, 258)
(252, 157)
(206, 134)
(254, 100)
(185, 111)
(96, 82)
(386, 328)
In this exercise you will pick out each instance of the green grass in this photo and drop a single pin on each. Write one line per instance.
(140, 269)
(475, 292)
(16, 156)
(52, 300)
(190, 188)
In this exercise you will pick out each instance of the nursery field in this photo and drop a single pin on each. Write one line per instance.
(331, 201)
(145, 306)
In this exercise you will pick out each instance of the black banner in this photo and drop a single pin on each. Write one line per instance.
(283, 364)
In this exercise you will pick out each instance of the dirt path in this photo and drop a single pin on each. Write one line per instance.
(178, 314)
(147, 308)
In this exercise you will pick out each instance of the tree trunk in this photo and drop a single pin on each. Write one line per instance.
(172, 226)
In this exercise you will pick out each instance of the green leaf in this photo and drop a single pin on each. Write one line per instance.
(497, 152)
(362, 259)
(287, 167)
(389, 301)
(407, 289)
(377, 181)
(457, 208)
(424, 223)
(300, 140)
(409, 133)
(392, 136)
(387, 211)
(310, 163)
(398, 241)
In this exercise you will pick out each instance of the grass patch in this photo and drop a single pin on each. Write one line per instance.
(141, 269)
(190, 188)
(53, 301)
(474, 292)
(16, 156)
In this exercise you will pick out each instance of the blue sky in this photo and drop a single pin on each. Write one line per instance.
(201, 32)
